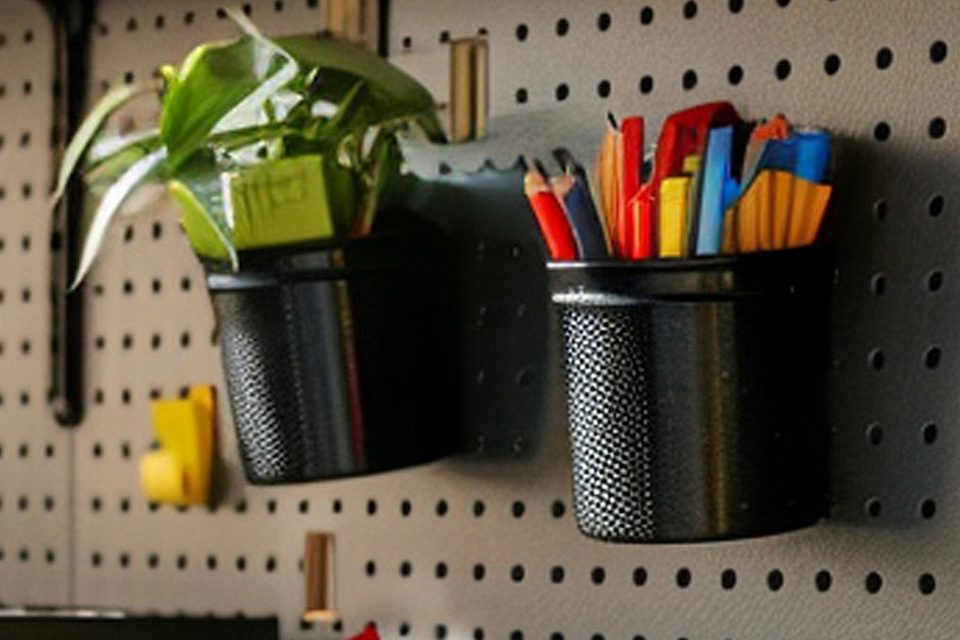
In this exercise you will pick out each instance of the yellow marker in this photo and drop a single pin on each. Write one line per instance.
(673, 217)
(179, 471)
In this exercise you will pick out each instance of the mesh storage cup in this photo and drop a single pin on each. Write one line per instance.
(695, 394)
(336, 358)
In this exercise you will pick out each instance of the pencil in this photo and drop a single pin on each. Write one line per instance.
(554, 226)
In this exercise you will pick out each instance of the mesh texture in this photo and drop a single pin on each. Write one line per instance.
(610, 421)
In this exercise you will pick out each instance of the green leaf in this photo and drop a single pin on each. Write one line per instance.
(113, 199)
(393, 94)
(113, 100)
(206, 237)
(220, 83)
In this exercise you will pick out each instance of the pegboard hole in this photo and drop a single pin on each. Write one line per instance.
(935, 206)
(873, 507)
(639, 576)
(604, 21)
(929, 433)
(876, 359)
(517, 573)
(558, 509)
(405, 508)
(516, 634)
(884, 58)
(337, 506)
(181, 562)
(735, 6)
(874, 434)
(598, 575)
(563, 27)
(684, 578)
(518, 509)
(932, 357)
(934, 281)
(271, 506)
(938, 51)
(241, 563)
(735, 75)
(442, 508)
(370, 568)
(782, 70)
(404, 629)
(878, 284)
(522, 32)
(937, 128)
(153, 560)
(271, 564)
(603, 89)
(441, 570)
(823, 581)
(881, 132)
(371, 507)
(479, 572)
(96, 559)
(405, 569)
(689, 80)
(928, 509)
(880, 210)
(927, 584)
(440, 631)
(211, 563)
(775, 580)
(690, 10)
(728, 579)
(557, 574)
(873, 582)
(831, 64)
(478, 508)
(562, 92)
(646, 84)
(304, 506)
(124, 560)
(521, 96)
(646, 15)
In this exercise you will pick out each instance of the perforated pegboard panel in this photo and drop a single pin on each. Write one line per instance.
(488, 549)
(35, 454)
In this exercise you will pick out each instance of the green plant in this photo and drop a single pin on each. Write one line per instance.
(264, 110)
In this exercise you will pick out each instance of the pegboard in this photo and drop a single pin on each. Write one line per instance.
(35, 454)
(479, 548)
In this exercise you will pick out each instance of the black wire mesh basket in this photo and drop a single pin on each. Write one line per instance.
(337, 357)
(695, 394)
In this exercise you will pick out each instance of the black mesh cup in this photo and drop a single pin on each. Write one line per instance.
(336, 357)
(695, 394)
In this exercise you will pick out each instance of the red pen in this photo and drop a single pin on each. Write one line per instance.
(631, 154)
